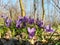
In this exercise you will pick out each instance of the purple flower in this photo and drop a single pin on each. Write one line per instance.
(8, 22)
(48, 28)
(39, 23)
(18, 24)
(25, 19)
(31, 21)
(20, 18)
(20, 21)
(31, 32)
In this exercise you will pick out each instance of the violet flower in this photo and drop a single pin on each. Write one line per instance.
(19, 21)
(48, 28)
(18, 24)
(39, 23)
(25, 19)
(31, 32)
(8, 22)
(31, 21)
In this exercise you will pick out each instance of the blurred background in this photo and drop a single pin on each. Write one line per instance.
(47, 9)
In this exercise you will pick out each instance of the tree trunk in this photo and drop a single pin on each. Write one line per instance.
(22, 8)
(43, 9)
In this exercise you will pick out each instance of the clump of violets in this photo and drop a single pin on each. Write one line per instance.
(32, 26)
(48, 28)
(31, 32)
(24, 21)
